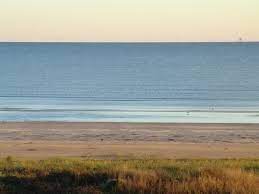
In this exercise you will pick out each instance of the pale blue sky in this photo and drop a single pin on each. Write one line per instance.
(129, 20)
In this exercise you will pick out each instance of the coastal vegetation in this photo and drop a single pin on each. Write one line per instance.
(63, 175)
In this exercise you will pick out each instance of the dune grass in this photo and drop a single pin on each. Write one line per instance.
(129, 176)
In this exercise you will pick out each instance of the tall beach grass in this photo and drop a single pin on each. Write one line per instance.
(129, 176)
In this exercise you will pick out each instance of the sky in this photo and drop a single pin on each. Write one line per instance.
(129, 20)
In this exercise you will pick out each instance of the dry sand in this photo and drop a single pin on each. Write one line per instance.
(128, 140)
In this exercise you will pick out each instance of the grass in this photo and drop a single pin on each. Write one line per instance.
(129, 176)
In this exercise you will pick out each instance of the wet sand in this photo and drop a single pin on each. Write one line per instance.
(128, 140)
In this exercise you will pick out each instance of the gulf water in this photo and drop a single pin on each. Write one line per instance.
(130, 82)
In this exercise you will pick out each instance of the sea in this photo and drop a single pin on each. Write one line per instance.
(130, 82)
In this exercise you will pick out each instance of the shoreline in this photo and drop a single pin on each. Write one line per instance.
(254, 125)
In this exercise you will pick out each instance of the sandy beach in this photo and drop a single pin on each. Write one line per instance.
(128, 140)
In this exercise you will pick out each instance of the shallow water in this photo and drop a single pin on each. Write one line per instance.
(155, 82)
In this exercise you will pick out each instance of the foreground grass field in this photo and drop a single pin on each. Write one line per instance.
(129, 176)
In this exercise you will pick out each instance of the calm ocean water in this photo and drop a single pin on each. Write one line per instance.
(152, 82)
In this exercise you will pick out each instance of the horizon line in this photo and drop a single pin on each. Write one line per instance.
(248, 41)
